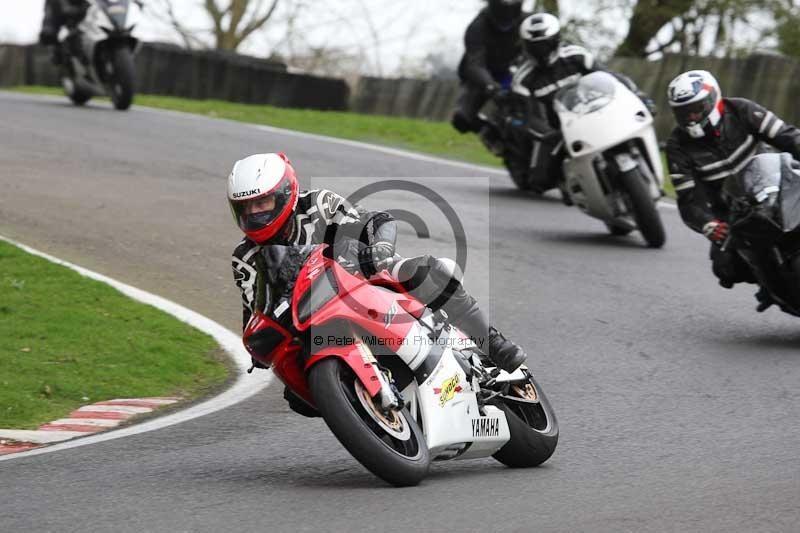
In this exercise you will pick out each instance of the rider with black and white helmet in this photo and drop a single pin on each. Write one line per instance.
(715, 138)
(552, 65)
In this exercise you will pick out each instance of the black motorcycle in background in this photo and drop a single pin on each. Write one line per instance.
(764, 204)
(96, 56)
(506, 134)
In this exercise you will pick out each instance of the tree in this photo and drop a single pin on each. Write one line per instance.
(700, 27)
(649, 16)
(231, 23)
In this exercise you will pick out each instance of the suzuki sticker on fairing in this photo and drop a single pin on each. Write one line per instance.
(485, 427)
(448, 390)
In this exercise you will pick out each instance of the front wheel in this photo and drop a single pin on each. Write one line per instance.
(389, 444)
(533, 426)
(121, 77)
(643, 207)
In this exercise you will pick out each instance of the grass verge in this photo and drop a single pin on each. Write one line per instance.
(436, 138)
(68, 341)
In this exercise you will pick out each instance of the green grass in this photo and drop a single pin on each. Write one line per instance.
(437, 138)
(69, 341)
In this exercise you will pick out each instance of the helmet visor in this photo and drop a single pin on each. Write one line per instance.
(505, 13)
(540, 49)
(254, 214)
(694, 112)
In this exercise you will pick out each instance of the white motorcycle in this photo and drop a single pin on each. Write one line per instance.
(96, 55)
(613, 168)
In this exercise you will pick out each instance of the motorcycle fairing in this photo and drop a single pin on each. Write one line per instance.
(766, 190)
(271, 344)
(790, 195)
(357, 358)
(380, 312)
(450, 416)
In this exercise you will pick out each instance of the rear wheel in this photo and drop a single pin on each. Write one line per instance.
(533, 426)
(643, 208)
(519, 174)
(389, 444)
(121, 75)
(78, 96)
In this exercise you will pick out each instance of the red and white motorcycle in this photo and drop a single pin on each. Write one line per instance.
(396, 384)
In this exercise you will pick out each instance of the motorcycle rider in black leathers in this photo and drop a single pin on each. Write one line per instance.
(715, 138)
(58, 13)
(491, 45)
(552, 65)
(268, 207)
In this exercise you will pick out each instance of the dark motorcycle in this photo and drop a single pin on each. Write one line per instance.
(506, 134)
(96, 57)
(764, 204)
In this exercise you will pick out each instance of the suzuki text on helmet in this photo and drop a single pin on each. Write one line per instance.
(262, 192)
(540, 36)
(696, 102)
(505, 13)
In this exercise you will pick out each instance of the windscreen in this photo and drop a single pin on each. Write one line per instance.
(592, 92)
(117, 11)
(755, 190)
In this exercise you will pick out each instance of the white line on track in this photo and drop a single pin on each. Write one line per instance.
(245, 386)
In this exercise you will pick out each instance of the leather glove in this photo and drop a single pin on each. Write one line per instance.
(716, 231)
(370, 257)
(48, 38)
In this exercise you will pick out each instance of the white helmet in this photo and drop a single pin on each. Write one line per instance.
(540, 35)
(262, 193)
(696, 101)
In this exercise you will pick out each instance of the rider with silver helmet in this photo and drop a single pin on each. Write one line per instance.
(269, 207)
(550, 66)
(715, 138)
(491, 45)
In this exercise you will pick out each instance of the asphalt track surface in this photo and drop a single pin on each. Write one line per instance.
(677, 402)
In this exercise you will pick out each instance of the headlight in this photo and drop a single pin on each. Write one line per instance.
(322, 291)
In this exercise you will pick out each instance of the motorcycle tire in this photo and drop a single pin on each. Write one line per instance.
(643, 208)
(122, 80)
(400, 462)
(534, 430)
(618, 230)
(518, 174)
(74, 93)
